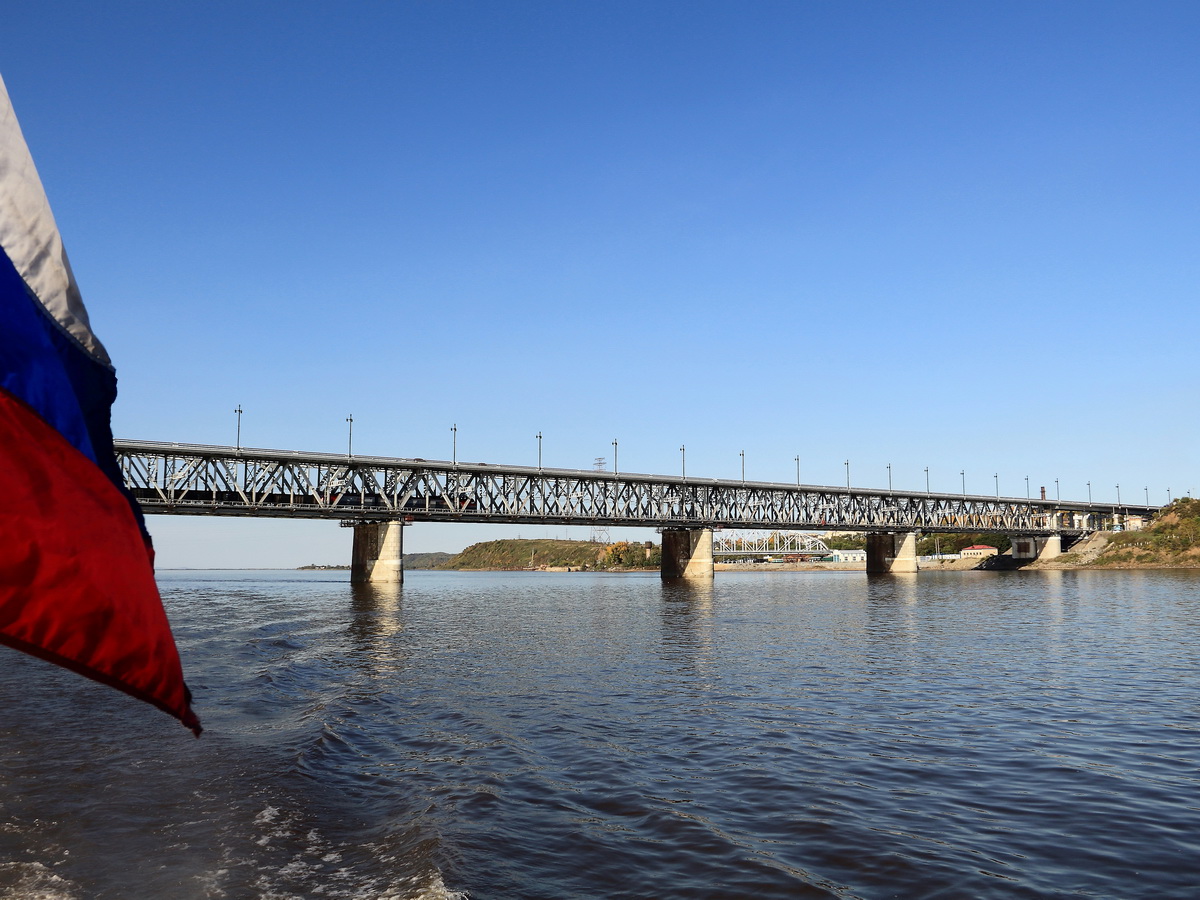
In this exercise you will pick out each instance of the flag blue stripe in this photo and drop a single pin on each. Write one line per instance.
(36, 361)
(48, 371)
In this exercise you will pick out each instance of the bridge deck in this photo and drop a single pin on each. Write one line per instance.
(189, 479)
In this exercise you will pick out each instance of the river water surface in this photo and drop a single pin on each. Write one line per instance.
(534, 735)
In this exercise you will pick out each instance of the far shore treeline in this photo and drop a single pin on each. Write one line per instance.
(1171, 541)
(549, 553)
(537, 553)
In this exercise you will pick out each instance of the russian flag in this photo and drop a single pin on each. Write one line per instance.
(76, 565)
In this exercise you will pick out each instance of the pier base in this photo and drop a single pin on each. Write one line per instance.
(890, 553)
(1049, 547)
(687, 553)
(378, 555)
(1027, 547)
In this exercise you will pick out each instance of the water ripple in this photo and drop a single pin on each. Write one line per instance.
(533, 736)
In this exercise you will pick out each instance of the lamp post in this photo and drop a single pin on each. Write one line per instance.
(997, 477)
(1118, 495)
(797, 471)
(1089, 492)
(239, 427)
(1147, 490)
(539, 440)
(350, 437)
(454, 444)
(927, 480)
(847, 474)
(963, 473)
(614, 457)
(1057, 493)
(1168, 496)
(683, 460)
(889, 468)
(742, 454)
(1026, 487)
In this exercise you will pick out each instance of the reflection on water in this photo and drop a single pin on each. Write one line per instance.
(377, 618)
(687, 619)
(544, 735)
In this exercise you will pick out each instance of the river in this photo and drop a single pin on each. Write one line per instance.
(533, 735)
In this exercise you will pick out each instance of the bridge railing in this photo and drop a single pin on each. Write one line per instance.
(183, 479)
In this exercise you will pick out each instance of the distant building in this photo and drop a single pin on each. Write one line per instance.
(847, 556)
(978, 551)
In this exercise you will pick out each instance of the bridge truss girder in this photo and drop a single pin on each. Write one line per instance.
(183, 479)
(764, 543)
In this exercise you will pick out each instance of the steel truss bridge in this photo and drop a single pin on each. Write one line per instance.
(190, 479)
(762, 543)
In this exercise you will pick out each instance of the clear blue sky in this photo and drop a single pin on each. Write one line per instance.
(955, 235)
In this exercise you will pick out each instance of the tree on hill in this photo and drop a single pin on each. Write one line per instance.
(637, 555)
(845, 541)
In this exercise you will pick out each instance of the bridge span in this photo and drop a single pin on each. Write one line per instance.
(379, 495)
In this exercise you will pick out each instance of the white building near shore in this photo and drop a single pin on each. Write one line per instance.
(848, 556)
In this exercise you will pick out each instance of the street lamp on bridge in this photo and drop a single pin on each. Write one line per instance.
(1089, 492)
(1147, 490)
(797, 471)
(683, 460)
(1026, 487)
(742, 454)
(1057, 493)
(847, 474)
(539, 440)
(997, 477)
(889, 467)
(614, 457)
(239, 427)
(963, 473)
(927, 480)
(454, 444)
(350, 437)
(1118, 495)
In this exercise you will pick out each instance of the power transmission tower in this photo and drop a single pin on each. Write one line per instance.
(600, 532)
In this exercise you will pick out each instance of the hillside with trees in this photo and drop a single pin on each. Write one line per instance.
(1172, 540)
(518, 554)
(426, 560)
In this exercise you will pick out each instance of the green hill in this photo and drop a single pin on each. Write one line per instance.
(1173, 539)
(527, 554)
(426, 560)
(549, 553)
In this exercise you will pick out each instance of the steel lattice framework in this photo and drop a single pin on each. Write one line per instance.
(189, 479)
(792, 543)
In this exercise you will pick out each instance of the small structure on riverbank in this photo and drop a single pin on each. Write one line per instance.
(855, 556)
(978, 551)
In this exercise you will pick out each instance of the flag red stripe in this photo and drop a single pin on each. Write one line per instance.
(76, 581)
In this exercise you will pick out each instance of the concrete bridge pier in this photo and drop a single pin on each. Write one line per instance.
(687, 553)
(1040, 548)
(893, 553)
(378, 554)
(1050, 547)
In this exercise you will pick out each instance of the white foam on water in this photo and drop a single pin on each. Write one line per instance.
(269, 814)
(34, 881)
(300, 861)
